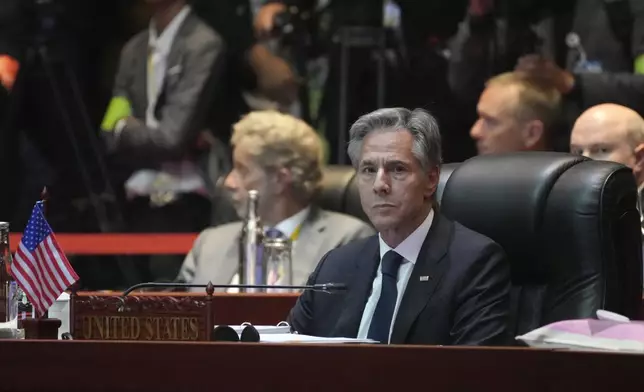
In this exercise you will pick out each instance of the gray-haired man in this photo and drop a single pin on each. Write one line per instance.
(423, 279)
(281, 157)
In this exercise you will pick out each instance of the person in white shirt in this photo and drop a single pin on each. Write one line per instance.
(155, 124)
(281, 157)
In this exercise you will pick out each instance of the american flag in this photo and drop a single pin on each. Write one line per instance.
(40, 266)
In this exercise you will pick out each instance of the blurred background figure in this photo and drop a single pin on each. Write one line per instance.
(155, 125)
(516, 113)
(354, 56)
(615, 133)
(591, 50)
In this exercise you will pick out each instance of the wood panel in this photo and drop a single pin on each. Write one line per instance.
(166, 366)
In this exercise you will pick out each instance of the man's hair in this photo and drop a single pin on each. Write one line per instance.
(422, 126)
(277, 140)
(537, 100)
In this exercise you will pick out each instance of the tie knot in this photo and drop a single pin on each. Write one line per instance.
(390, 263)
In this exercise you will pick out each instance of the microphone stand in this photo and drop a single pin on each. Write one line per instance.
(328, 288)
(322, 287)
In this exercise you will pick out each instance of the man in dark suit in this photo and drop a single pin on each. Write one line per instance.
(423, 279)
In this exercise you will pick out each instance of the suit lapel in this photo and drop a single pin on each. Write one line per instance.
(359, 283)
(177, 50)
(306, 250)
(419, 291)
(231, 265)
(174, 63)
(140, 80)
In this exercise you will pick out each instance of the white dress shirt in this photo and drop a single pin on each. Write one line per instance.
(409, 250)
(287, 227)
(159, 47)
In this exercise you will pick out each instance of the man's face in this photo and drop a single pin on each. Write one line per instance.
(394, 189)
(605, 144)
(245, 176)
(497, 129)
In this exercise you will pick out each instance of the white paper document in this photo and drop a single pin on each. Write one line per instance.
(264, 329)
(296, 338)
(9, 330)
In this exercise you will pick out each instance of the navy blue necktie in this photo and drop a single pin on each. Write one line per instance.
(381, 321)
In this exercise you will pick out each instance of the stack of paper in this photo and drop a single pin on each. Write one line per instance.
(296, 338)
(282, 334)
(264, 329)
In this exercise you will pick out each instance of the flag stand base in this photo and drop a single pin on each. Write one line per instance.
(41, 328)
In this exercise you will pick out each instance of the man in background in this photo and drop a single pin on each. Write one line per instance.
(154, 125)
(415, 61)
(281, 157)
(591, 50)
(611, 132)
(515, 113)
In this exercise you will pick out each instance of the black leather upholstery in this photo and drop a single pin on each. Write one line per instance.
(568, 224)
(338, 191)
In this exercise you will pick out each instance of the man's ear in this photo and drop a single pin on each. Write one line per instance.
(283, 180)
(533, 135)
(638, 167)
(433, 176)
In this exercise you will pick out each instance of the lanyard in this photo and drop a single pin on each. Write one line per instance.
(296, 233)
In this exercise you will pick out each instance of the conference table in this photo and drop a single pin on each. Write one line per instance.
(164, 366)
(116, 365)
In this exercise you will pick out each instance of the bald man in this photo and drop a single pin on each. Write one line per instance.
(610, 132)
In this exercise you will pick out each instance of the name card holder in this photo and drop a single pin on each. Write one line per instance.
(143, 318)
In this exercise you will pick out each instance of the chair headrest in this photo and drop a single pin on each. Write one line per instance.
(446, 171)
(504, 197)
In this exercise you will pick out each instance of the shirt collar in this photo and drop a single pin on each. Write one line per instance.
(410, 247)
(163, 42)
(289, 225)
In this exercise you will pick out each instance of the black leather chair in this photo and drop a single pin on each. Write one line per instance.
(569, 225)
(337, 192)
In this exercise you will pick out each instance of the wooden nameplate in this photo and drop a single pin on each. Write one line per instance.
(170, 316)
(141, 317)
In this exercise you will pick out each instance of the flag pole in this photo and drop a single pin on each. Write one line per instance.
(44, 197)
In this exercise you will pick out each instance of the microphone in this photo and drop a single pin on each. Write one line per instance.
(225, 333)
(328, 288)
